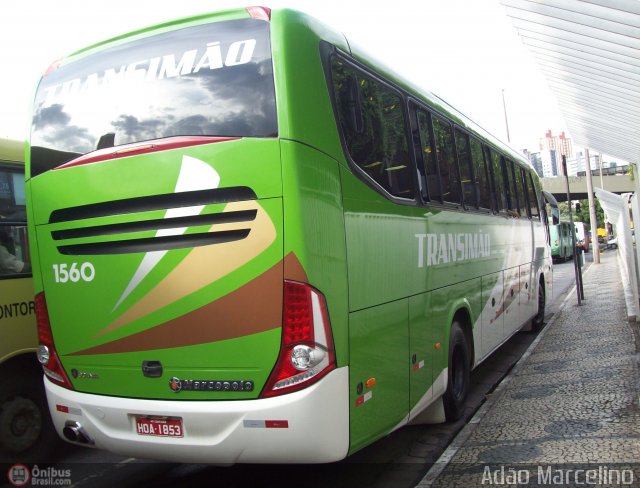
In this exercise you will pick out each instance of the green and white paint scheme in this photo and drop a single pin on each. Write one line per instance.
(210, 260)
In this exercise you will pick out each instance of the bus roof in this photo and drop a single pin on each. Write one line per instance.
(323, 31)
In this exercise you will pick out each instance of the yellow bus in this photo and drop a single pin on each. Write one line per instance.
(26, 433)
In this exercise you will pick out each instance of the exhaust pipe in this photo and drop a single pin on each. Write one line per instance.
(74, 432)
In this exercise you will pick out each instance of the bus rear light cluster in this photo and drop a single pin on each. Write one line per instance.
(306, 353)
(47, 355)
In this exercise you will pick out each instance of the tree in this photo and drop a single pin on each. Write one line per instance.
(583, 215)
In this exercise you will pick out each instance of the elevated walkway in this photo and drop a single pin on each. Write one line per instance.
(578, 185)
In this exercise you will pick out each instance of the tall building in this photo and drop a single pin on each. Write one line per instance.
(536, 161)
(551, 150)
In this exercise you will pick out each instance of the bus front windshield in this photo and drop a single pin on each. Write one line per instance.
(208, 80)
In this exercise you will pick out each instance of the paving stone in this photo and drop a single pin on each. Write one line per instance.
(572, 402)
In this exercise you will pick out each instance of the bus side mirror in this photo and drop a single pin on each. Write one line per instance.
(553, 203)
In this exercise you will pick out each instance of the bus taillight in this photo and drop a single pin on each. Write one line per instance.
(306, 353)
(47, 355)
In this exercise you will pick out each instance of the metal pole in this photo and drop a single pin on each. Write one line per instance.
(600, 164)
(592, 211)
(576, 266)
(506, 122)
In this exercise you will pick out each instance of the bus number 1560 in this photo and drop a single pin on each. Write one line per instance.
(63, 273)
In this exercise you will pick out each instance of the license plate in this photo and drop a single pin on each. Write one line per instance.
(162, 427)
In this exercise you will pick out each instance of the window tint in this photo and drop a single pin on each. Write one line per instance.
(450, 181)
(480, 174)
(214, 79)
(499, 181)
(521, 191)
(14, 248)
(510, 172)
(429, 157)
(469, 193)
(372, 119)
(533, 197)
(12, 196)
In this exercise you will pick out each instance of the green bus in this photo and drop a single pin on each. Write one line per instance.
(562, 247)
(26, 433)
(252, 243)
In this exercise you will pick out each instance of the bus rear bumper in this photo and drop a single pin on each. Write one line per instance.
(308, 426)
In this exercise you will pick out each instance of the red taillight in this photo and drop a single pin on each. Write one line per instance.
(306, 353)
(260, 13)
(47, 354)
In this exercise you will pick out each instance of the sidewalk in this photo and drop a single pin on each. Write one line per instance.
(568, 414)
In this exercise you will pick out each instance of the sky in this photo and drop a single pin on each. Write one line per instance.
(465, 51)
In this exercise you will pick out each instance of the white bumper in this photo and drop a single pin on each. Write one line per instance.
(220, 432)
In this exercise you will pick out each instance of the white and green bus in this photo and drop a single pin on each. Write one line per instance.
(252, 243)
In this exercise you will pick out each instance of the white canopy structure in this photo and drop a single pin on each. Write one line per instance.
(589, 52)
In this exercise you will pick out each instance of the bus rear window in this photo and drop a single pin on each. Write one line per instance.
(209, 80)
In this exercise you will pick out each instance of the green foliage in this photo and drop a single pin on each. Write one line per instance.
(583, 215)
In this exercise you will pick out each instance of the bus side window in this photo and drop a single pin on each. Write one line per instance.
(522, 191)
(518, 200)
(14, 247)
(377, 138)
(533, 196)
(498, 180)
(507, 171)
(429, 157)
(480, 174)
(443, 138)
(469, 193)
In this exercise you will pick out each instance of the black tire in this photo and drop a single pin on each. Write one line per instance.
(455, 396)
(27, 434)
(538, 321)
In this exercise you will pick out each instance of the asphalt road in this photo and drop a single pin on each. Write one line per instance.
(399, 460)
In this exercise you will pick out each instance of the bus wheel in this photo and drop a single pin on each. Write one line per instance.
(458, 379)
(26, 431)
(538, 320)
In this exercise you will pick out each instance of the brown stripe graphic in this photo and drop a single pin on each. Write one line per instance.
(204, 265)
(253, 308)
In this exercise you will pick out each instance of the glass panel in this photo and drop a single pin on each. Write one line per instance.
(428, 156)
(207, 80)
(499, 182)
(511, 170)
(464, 161)
(480, 174)
(14, 250)
(12, 196)
(533, 198)
(522, 191)
(373, 124)
(446, 162)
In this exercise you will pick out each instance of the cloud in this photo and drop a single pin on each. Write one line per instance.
(50, 116)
